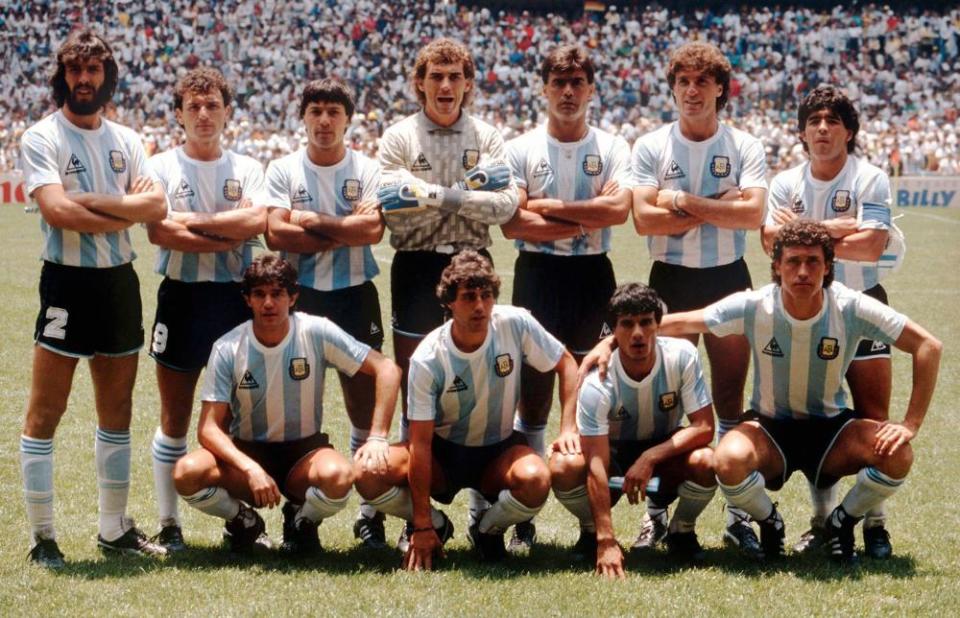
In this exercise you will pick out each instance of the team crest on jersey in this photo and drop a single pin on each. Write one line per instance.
(248, 382)
(117, 163)
(674, 171)
(232, 190)
(458, 385)
(841, 201)
(299, 368)
(720, 166)
(75, 166)
(543, 169)
(773, 348)
(668, 401)
(471, 158)
(301, 196)
(351, 189)
(829, 348)
(592, 165)
(184, 190)
(421, 164)
(618, 415)
(504, 365)
(797, 204)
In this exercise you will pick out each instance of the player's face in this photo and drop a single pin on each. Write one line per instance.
(636, 336)
(696, 94)
(203, 115)
(471, 309)
(271, 304)
(825, 135)
(568, 95)
(325, 124)
(443, 87)
(801, 271)
(85, 78)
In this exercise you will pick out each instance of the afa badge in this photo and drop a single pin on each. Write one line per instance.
(841, 201)
(504, 365)
(471, 158)
(351, 189)
(299, 368)
(829, 348)
(117, 163)
(592, 165)
(668, 401)
(232, 190)
(797, 204)
(720, 166)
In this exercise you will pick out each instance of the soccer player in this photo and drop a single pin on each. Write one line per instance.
(262, 412)
(630, 426)
(88, 176)
(574, 183)
(701, 186)
(216, 206)
(804, 331)
(852, 199)
(323, 218)
(464, 386)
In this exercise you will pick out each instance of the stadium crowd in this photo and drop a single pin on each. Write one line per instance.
(902, 69)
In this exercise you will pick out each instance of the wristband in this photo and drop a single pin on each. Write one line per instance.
(377, 439)
(673, 204)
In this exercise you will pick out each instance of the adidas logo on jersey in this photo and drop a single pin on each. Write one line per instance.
(248, 381)
(878, 346)
(301, 196)
(674, 171)
(75, 166)
(374, 329)
(458, 385)
(543, 169)
(184, 190)
(773, 348)
(421, 164)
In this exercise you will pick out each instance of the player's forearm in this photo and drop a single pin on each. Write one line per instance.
(687, 439)
(861, 246)
(403, 223)
(174, 236)
(143, 207)
(926, 367)
(684, 323)
(213, 438)
(238, 224)
(598, 493)
(352, 230)
(600, 211)
(71, 216)
(386, 387)
(767, 233)
(567, 373)
(489, 207)
(531, 227)
(650, 220)
(745, 213)
(295, 239)
(418, 478)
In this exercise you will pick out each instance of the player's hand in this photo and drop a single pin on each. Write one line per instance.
(665, 201)
(610, 559)
(636, 479)
(140, 184)
(598, 357)
(425, 547)
(611, 187)
(492, 177)
(567, 443)
(782, 216)
(366, 207)
(731, 195)
(373, 455)
(244, 203)
(891, 436)
(409, 196)
(262, 486)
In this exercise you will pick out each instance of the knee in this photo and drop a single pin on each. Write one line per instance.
(566, 471)
(701, 466)
(900, 462)
(732, 458)
(336, 477)
(188, 475)
(532, 478)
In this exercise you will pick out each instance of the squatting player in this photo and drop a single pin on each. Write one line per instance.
(323, 218)
(574, 183)
(89, 177)
(215, 199)
(701, 186)
(262, 411)
(852, 199)
(464, 386)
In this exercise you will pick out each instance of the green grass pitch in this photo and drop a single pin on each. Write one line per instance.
(922, 578)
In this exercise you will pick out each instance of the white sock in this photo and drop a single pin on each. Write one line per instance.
(318, 506)
(876, 516)
(166, 452)
(536, 436)
(505, 512)
(477, 504)
(823, 500)
(112, 455)
(693, 499)
(871, 488)
(358, 437)
(215, 501)
(749, 496)
(656, 510)
(36, 464)
(397, 501)
(733, 513)
(577, 501)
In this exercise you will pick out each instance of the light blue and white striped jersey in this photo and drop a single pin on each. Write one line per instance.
(650, 409)
(472, 397)
(295, 182)
(569, 171)
(731, 159)
(206, 186)
(799, 365)
(103, 160)
(860, 190)
(276, 393)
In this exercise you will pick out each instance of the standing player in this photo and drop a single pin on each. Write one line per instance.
(323, 217)
(88, 176)
(262, 412)
(701, 186)
(630, 425)
(464, 387)
(572, 178)
(852, 200)
(216, 205)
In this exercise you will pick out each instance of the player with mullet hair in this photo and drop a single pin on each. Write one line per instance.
(88, 175)
(464, 387)
(262, 412)
(574, 184)
(216, 205)
(700, 186)
(852, 199)
(324, 219)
